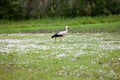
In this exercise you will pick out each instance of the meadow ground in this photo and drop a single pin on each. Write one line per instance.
(81, 56)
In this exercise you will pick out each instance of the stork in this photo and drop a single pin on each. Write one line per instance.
(60, 34)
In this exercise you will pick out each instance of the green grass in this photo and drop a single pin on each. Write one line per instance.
(81, 56)
(79, 24)
(84, 54)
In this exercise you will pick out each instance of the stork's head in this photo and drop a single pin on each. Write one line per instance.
(66, 27)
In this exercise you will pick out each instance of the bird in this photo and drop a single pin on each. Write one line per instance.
(60, 34)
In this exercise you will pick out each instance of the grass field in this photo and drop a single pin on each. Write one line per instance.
(76, 25)
(81, 56)
(90, 51)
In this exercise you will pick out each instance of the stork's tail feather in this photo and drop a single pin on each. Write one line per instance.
(52, 36)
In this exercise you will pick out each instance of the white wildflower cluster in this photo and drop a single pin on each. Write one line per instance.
(72, 71)
(75, 46)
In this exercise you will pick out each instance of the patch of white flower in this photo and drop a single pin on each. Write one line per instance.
(72, 45)
(61, 55)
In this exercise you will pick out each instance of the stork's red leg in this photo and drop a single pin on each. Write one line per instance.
(55, 40)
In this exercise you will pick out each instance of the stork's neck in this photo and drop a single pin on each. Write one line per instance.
(66, 29)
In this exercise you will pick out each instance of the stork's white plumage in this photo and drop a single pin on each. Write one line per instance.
(60, 34)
